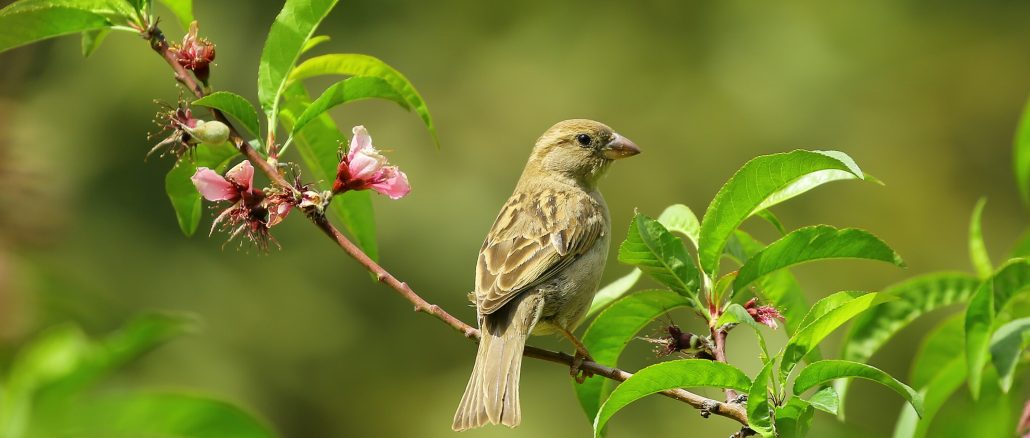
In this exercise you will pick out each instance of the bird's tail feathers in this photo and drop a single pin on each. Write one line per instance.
(492, 393)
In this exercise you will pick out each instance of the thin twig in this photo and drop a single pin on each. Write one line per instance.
(160, 45)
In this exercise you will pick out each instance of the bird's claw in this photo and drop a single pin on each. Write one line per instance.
(576, 370)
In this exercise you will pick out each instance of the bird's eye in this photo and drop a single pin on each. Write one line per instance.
(583, 139)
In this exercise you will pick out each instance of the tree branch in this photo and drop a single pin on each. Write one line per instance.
(160, 45)
(719, 337)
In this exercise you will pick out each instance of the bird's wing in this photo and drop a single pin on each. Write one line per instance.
(535, 236)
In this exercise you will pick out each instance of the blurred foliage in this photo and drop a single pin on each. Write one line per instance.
(43, 393)
(925, 95)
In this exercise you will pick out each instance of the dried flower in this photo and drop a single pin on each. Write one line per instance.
(766, 315)
(185, 131)
(174, 120)
(365, 168)
(279, 204)
(195, 53)
(316, 201)
(679, 341)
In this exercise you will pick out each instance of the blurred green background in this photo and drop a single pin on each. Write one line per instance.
(924, 95)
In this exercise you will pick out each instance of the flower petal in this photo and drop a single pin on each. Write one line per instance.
(392, 183)
(767, 315)
(360, 141)
(365, 163)
(242, 175)
(213, 186)
(278, 212)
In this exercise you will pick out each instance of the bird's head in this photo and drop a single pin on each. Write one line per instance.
(581, 149)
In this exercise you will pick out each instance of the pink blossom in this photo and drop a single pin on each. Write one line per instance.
(252, 211)
(766, 315)
(393, 183)
(242, 177)
(365, 168)
(236, 183)
(213, 186)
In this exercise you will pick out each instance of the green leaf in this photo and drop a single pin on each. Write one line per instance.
(181, 191)
(826, 304)
(1007, 343)
(938, 370)
(662, 256)
(991, 297)
(139, 5)
(826, 370)
(613, 291)
(609, 334)
(29, 21)
(235, 106)
(182, 9)
(794, 419)
(135, 338)
(314, 42)
(761, 183)
(915, 297)
(977, 250)
(779, 289)
(826, 400)
(948, 379)
(815, 243)
(171, 415)
(673, 374)
(680, 219)
(1022, 246)
(91, 40)
(759, 410)
(1021, 155)
(941, 345)
(348, 90)
(353, 64)
(318, 144)
(771, 218)
(49, 357)
(994, 414)
(62, 360)
(291, 30)
(737, 314)
(116, 10)
(812, 334)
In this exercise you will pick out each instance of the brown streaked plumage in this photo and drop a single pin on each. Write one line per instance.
(541, 262)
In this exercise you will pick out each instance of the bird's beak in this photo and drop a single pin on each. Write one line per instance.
(619, 147)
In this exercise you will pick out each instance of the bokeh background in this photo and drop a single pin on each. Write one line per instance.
(924, 95)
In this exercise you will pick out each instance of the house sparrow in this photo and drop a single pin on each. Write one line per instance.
(541, 263)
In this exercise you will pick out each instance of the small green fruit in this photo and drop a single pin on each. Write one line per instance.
(213, 132)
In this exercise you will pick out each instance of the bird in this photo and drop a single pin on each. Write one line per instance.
(540, 264)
